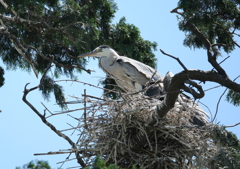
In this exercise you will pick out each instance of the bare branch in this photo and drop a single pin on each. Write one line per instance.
(185, 88)
(221, 98)
(213, 88)
(53, 128)
(218, 104)
(98, 98)
(52, 153)
(19, 20)
(178, 79)
(85, 110)
(195, 94)
(87, 84)
(232, 125)
(223, 60)
(179, 61)
(46, 108)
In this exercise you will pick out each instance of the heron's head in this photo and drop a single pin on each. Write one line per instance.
(101, 51)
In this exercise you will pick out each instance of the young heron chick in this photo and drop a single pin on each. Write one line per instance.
(129, 74)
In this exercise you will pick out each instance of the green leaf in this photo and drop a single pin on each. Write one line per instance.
(233, 97)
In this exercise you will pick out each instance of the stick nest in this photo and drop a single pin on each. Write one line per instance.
(128, 132)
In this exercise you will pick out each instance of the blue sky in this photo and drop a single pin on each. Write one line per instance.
(23, 133)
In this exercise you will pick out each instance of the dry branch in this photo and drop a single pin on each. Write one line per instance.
(51, 126)
(180, 78)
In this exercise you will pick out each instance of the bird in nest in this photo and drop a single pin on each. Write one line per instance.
(130, 75)
(133, 76)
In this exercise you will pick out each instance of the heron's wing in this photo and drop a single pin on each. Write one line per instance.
(137, 70)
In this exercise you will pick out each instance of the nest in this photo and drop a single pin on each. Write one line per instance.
(128, 132)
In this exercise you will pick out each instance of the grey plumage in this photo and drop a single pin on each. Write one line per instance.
(133, 76)
(129, 74)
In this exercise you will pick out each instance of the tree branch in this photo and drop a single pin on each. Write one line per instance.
(208, 45)
(179, 61)
(19, 47)
(178, 80)
(168, 77)
(228, 33)
(53, 128)
(192, 91)
(232, 125)
(218, 105)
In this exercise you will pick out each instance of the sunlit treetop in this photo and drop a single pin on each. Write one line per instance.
(218, 20)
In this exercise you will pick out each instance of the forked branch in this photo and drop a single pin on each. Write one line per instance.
(174, 83)
(210, 52)
(44, 120)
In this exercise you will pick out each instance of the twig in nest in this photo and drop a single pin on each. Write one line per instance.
(86, 84)
(85, 110)
(94, 97)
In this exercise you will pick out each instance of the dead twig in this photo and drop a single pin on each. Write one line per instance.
(220, 100)
(232, 125)
(178, 60)
(43, 118)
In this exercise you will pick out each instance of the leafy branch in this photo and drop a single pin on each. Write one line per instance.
(47, 123)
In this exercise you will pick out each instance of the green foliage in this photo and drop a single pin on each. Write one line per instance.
(62, 30)
(2, 79)
(35, 165)
(229, 153)
(100, 164)
(224, 137)
(216, 19)
(59, 29)
(233, 97)
(48, 86)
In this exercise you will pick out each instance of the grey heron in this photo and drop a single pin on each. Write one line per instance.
(129, 74)
(132, 75)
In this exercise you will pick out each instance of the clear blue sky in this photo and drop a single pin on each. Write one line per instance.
(23, 133)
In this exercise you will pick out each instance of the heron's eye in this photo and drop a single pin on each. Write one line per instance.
(98, 50)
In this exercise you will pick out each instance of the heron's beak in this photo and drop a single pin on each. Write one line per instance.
(87, 54)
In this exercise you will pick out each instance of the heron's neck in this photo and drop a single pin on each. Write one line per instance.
(109, 60)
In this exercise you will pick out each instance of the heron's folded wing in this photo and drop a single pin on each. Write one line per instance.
(137, 70)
